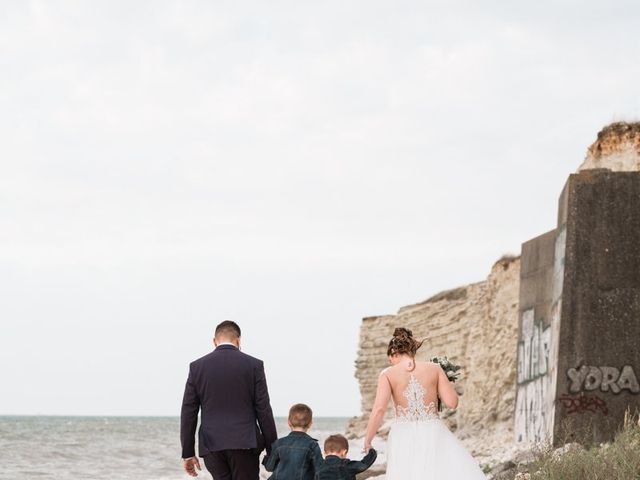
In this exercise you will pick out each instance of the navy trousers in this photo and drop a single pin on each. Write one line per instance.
(234, 464)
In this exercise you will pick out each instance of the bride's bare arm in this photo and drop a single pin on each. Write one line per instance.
(383, 395)
(446, 391)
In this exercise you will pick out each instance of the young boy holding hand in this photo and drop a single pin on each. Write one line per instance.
(337, 466)
(296, 456)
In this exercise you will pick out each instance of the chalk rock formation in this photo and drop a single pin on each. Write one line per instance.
(476, 327)
(617, 148)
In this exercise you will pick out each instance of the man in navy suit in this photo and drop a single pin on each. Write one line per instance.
(236, 422)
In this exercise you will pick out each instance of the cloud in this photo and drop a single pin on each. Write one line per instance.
(282, 163)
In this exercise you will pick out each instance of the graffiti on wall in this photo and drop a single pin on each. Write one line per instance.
(532, 419)
(534, 361)
(583, 404)
(533, 349)
(607, 379)
(537, 370)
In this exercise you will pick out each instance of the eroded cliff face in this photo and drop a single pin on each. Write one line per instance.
(476, 327)
(617, 148)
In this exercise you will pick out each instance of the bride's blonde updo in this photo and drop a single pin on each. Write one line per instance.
(403, 343)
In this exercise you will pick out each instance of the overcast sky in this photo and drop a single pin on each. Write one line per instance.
(293, 166)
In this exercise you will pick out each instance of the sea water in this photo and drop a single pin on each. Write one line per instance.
(114, 448)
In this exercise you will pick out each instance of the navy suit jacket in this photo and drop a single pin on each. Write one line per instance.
(231, 390)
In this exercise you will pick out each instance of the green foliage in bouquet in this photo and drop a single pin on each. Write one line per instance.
(450, 369)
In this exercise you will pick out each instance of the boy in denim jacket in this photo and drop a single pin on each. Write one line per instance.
(337, 466)
(296, 456)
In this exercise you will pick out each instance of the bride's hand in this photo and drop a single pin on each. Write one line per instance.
(366, 448)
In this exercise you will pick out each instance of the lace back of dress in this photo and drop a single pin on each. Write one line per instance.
(415, 410)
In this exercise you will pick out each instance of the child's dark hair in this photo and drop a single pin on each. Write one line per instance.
(403, 342)
(336, 443)
(300, 415)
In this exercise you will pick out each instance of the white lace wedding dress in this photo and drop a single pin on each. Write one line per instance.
(421, 447)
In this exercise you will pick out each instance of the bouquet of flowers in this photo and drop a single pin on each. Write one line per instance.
(451, 370)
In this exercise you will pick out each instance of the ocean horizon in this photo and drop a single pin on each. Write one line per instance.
(101, 447)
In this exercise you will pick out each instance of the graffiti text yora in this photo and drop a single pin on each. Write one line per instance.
(607, 379)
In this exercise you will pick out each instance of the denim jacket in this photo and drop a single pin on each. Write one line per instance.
(336, 468)
(294, 457)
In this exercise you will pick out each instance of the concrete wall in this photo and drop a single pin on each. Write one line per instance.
(579, 325)
(535, 390)
(599, 349)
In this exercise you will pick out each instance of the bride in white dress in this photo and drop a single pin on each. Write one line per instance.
(420, 446)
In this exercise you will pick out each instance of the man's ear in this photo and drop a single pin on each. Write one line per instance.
(215, 342)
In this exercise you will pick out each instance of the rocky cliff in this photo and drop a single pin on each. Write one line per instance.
(616, 148)
(476, 327)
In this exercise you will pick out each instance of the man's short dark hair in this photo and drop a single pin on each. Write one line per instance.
(300, 416)
(228, 328)
(336, 443)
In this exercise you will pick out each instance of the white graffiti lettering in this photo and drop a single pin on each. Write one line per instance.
(533, 349)
(589, 378)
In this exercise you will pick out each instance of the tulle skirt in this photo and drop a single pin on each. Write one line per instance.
(427, 450)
